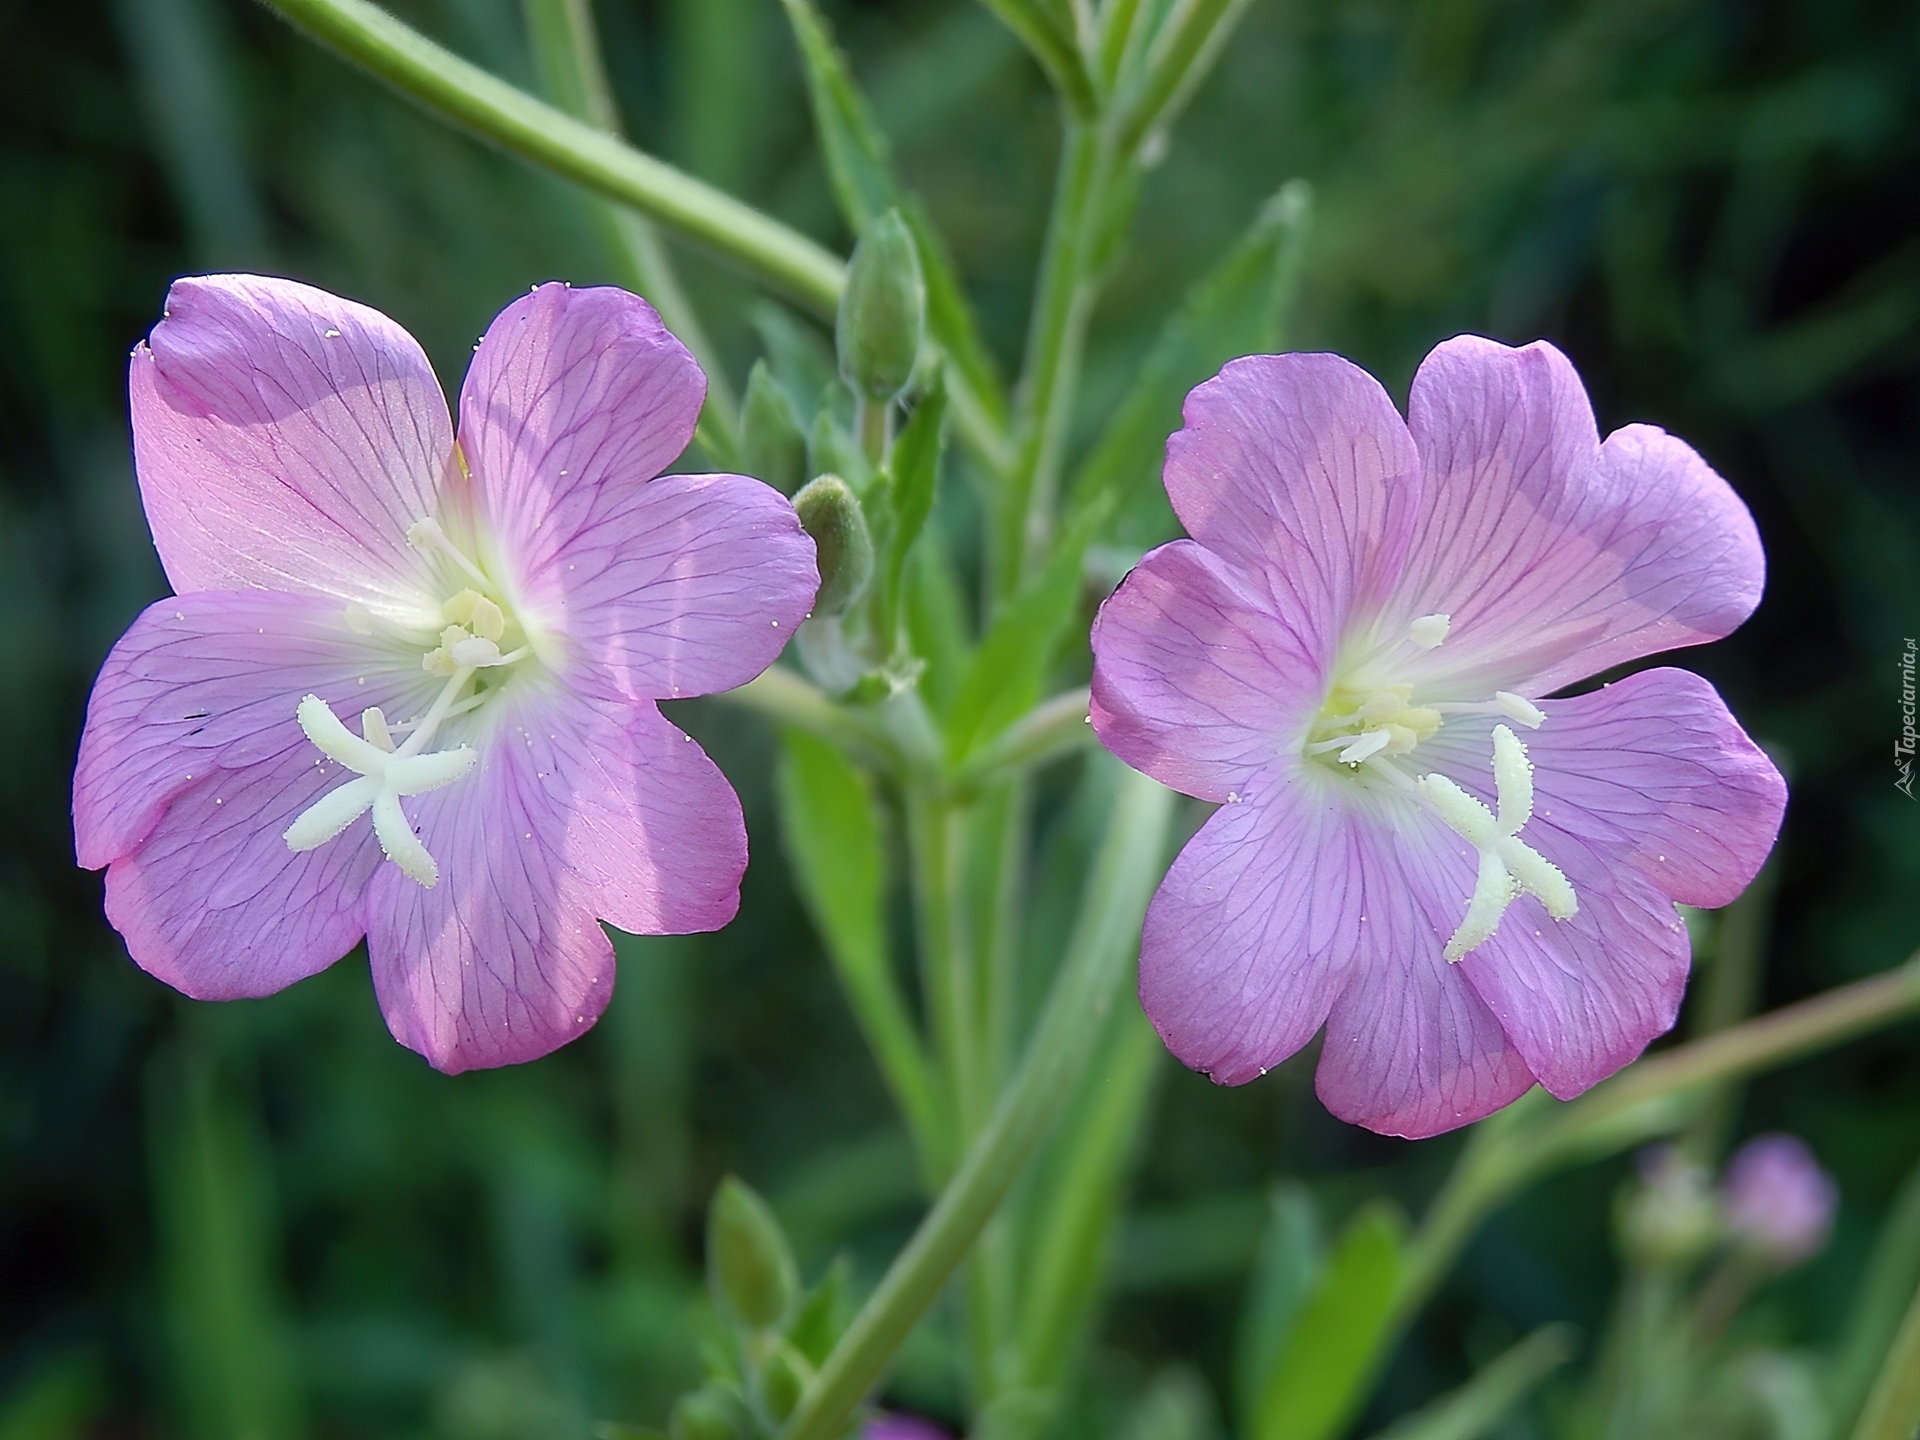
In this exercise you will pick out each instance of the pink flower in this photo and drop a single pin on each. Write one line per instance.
(494, 618)
(1368, 619)
(1778, 1199)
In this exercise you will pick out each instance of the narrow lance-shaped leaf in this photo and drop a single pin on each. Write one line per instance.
(859, 163)
(1004, 677)
(832, 833)
(914, 470)
(1320, 1376)
(1240, 308)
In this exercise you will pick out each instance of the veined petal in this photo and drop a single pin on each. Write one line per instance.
(211, 681)
(576, 811)
(570, 392)
(1556, 556)
(215, 903)
(285, 439)
(1411, 1049)
(1196, 681)
(1298, 468)
(1651, 771)
(684, 586)
(1257, 927)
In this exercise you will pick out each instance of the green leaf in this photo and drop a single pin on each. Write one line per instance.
(1289, 1264)
(860, 165)
(832, 832)
(914, 468)
(1240, 308)
(1319, 1378)
(1886, 1287)
(1004, 678)
(824, 1313)
(1478, 1406)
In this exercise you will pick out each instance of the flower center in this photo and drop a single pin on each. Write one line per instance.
(477, 647)
(1365, 726)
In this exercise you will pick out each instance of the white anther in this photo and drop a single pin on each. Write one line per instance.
(1366, 746)
(1520, 709)
(1508, 867)
(1429, 630)
(476, 651)
(384, 776)
(359, 619)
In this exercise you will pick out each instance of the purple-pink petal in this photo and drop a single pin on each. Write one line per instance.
(1256, 927)
(1654, 770)
(1411, 1049)
(576, 812)
(285, 439)
(570, 393)
(1556, 556)
(209, 682)
(684, 586)
(215, 904)
(1298, 469)
(1196, 681)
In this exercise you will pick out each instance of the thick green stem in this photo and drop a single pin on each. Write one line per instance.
(496, 111)
(937, 836)
(1098, 957)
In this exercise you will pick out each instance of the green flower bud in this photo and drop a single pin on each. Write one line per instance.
(749, 1266)
(708, 1413)
(883, 311)
(843, 548)
(772, 446)
(783, 1376)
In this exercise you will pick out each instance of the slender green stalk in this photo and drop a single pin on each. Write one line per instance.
(489, 107)
(1893, 1407)
(1051, 729)
(1189, 41)
(937, 839)
(1098, 956)
(782, 695)
(1530, 1138)
(566, 52)
(1063, 303)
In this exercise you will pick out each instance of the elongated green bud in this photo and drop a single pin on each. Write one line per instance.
(783, 1376)
(883, 311)
(708, 1413)
(749, 1265)
(843, 548)
(772, 445)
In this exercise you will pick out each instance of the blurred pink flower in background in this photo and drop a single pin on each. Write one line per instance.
(1778, 1200)
(494, 618)
(1370, 615)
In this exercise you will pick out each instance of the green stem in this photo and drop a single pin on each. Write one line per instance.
(1098, 957)
(937, 834)
(1063, 303)
(1531, 1137)
(782, 695)
(566, 52)
(494, 110)
(1051, 729)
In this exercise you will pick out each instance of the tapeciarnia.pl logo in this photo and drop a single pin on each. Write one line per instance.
(1903, 748)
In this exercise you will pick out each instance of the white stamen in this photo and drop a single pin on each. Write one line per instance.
(384, 776)
(476, 651)
(359, 619)
(1519, 708)
(1429, 630)
(1509, 867)
(1364, 746)
(426, 535)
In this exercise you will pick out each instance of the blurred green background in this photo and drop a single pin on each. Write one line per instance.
(266, 1219)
